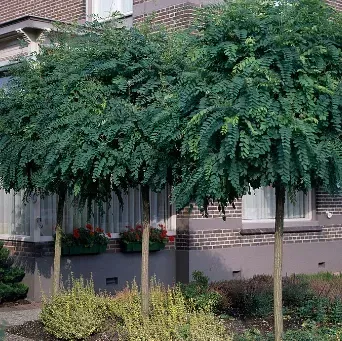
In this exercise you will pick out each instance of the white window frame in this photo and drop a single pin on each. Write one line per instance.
(91, 9)
(309, 215)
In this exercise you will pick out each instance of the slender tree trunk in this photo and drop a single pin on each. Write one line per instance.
(145, 193)
(58, 244)
(278, 263)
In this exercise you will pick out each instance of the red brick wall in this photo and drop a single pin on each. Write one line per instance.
(28, 249)
(176, 16)
(335, 3)
(64, 10)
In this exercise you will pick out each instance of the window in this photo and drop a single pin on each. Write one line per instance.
(14, 214)
(113, 219)
(105, 8)
(260, 204)
(21, 218)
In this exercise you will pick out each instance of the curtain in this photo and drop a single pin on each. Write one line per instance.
(14, 214)
(260, 204)
(112, 218)
(104, 8)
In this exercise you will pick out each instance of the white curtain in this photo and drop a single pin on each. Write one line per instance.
(113, 218)
(14, 214)
(260, 204)
(105, 8)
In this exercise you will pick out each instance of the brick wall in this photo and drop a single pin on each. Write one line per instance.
(176, 16)
(328, 202)
(335, 3)
(28, 249)
(225, 238)
(213, 211)
(64, 10)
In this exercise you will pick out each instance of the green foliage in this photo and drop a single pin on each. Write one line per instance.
(311, 334)
(262, 99)
(10, 277)
(322, 310)
(199, 295)
(169, 319)
(254, 297)
(85, 119)
(247, 297)
(75, 312)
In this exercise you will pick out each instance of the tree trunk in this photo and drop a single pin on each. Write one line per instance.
(278, 263)
(145, 193)
(58, 244)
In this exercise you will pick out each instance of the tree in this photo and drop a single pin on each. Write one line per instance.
(263, 102)
(93, 117)
(23, 164)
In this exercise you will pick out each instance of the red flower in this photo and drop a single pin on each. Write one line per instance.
(91, 233)
(109, 235)
(76, 233)
(99, 230)
(89, 227)
(171, 239)
(139, 227)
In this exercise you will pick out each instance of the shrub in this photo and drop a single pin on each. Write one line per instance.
(310, 334)
(247, 297)
(296, 291)
(199, 295)
(10, 277)
(75, 312)
(254, 297)
(169, 319)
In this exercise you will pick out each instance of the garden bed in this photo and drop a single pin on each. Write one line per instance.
(34, 330)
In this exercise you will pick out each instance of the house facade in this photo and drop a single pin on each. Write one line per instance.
(241, 246)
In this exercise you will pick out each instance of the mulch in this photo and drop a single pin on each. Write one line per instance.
(34, 330)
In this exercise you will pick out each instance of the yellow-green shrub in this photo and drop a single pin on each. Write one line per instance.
(169, 319)
(75, 312)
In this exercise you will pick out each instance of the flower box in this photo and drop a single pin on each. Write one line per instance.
(83, 250)
(137, 246)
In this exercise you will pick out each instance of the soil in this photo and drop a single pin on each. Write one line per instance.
(34, 330)
(264, 325)
(14, 304)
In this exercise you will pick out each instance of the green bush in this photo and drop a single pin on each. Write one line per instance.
(10, 277)
(254, 297)
(198, 293)
(75, 312)
(296, 291)
(246, 297)
(310, 334)
(170, 318)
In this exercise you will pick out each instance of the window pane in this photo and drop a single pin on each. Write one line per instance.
(104, 8)
(260, 204)
(113, 219)
(14, 214)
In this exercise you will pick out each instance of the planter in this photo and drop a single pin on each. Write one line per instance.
(83, 250)
(137, 246)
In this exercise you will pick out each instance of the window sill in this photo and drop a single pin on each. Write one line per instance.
(287, 229)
